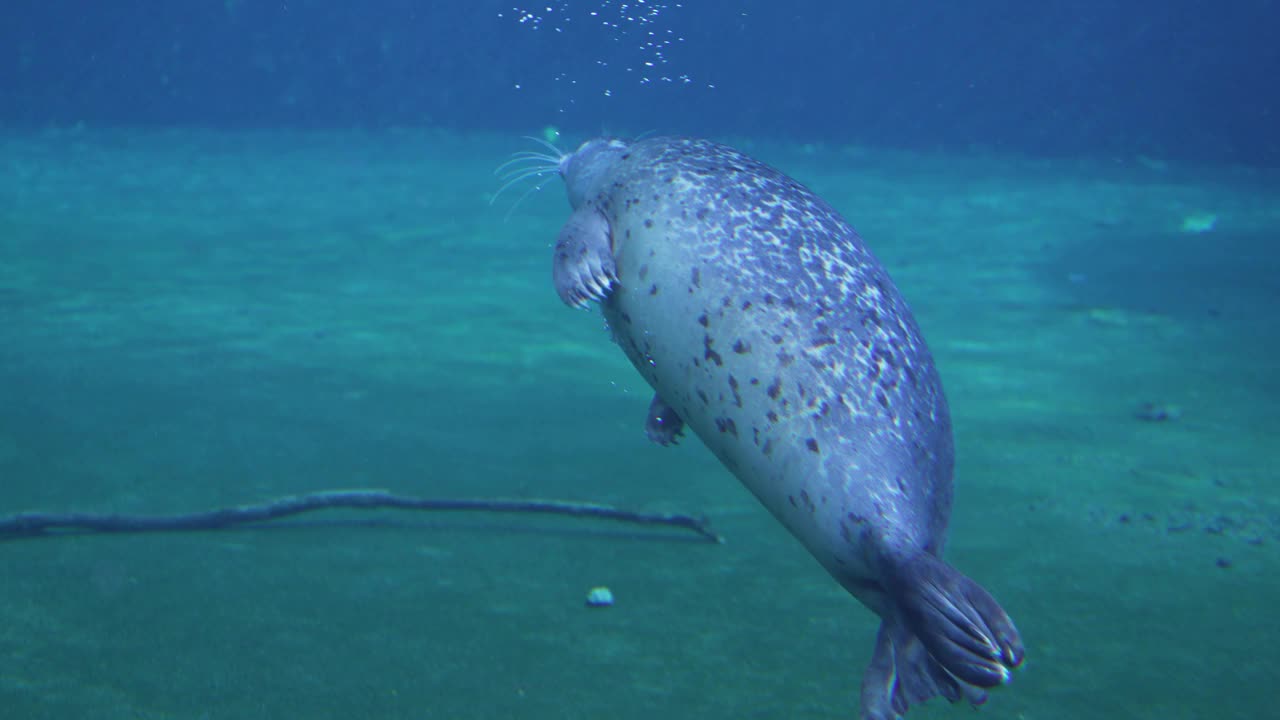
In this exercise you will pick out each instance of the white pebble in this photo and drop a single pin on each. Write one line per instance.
(599, 597)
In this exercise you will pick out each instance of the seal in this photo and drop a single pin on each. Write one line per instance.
(767, 328)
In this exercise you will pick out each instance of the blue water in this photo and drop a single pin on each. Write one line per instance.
(251, 249)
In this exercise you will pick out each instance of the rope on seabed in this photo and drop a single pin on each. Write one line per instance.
(36, 524)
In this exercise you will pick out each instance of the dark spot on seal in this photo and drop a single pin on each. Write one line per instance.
(746, 304)
(741, 348)
(785, 358)
(696, 277)
(768, 447)
(820, 342)
(777, 339)
(775, 388)
(808, 501)
(792, 500)
(726, 425)
(702, 320)
(733, 385)
(812, 445)
(648, 223)
(754, 381)
(710, 354)
(882, 399)
(881, 355)
(644, 271)
(703, 397)
(773, 416)
(653, 289)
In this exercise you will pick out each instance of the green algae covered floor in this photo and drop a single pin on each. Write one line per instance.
(190, 319)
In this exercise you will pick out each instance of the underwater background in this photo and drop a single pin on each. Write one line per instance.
(254, 248)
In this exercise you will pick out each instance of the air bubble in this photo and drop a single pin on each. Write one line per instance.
(642, 22)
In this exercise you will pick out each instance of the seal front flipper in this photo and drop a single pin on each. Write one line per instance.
(902, 674)
(961, 625)
(663, 425)
(584, 269)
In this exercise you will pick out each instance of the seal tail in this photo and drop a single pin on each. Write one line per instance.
(903, 673)
(963, 628)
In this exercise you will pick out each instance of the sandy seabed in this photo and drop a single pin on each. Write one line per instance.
(193, 318)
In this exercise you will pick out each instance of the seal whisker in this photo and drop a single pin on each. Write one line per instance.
(516, 177)
(531, 153)
(519, 163)
(548, 145)
(542, 183)
(527, 164)
(528, 157)
(525, 169)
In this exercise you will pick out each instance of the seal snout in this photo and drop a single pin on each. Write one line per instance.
(586, 169)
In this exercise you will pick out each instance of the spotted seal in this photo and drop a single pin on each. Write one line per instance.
(765, 326)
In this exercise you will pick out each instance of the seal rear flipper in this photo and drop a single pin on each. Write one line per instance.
(902, 674)
(662, 426)
(584, 268)
(960, 624)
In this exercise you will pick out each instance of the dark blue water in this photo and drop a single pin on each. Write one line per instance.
(252, 249)
(1178, 78)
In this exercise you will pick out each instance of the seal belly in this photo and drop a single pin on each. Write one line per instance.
(728, 358)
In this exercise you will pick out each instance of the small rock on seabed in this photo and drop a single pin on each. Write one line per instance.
(599, 597)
